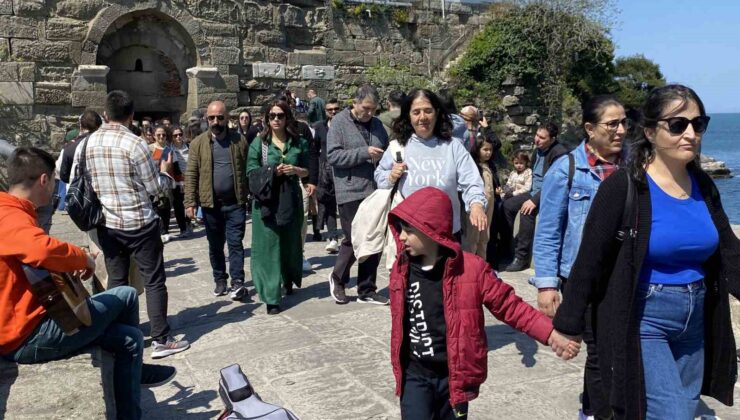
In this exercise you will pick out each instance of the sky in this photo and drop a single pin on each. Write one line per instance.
(696, 43)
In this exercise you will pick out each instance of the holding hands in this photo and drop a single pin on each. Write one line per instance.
(565, 346)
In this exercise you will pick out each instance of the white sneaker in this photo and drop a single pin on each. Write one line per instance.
(582, 416)
(332, 247)
(165, 238)
(307, 266)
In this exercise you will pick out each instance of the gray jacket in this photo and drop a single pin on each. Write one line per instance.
(347, 153)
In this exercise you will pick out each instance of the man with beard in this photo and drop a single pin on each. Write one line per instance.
(216, 180)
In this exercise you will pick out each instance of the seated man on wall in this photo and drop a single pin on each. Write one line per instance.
(27, 333)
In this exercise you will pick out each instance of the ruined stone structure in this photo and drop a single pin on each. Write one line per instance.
(58, 57)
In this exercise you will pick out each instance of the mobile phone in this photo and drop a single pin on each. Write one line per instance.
(399, 158)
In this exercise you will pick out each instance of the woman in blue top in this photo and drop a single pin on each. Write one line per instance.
(565, 200)
(649, 285)
(432, 159)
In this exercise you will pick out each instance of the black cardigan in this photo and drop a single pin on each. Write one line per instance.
(606, 274)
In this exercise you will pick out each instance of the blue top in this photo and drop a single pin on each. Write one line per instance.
(537, 172)
(682, 237)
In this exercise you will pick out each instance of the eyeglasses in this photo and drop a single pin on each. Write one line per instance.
(613, 125)
(216, 117)
(678, 125)
(332, 109)
(276, 116)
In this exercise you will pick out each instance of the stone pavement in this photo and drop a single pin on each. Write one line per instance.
(327, 361)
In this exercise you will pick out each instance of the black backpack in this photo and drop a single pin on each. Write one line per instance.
(81, 202)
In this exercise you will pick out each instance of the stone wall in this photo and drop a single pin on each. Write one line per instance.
(56, 56)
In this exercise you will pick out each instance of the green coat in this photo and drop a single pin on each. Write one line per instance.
(277, 254)
(199, 172)
(316, 111)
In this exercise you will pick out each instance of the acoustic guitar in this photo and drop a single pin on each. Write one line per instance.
(63, 296)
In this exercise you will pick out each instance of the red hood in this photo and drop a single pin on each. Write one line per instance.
(430, 211)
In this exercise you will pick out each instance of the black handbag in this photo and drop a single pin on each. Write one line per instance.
(82, 203)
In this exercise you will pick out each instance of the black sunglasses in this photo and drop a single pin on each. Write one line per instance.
(214, 117)
(678, 125)
(276, 115)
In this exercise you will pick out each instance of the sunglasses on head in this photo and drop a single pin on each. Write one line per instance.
(276, 115)
(678, 125)
(216, 117)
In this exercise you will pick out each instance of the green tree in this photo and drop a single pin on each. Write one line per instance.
(635, 76)
(556, 48)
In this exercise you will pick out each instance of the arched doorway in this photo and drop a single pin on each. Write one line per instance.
(147, 53)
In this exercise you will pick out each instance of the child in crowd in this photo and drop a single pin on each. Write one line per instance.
(520, 179)
(438, 339)
(475, 241)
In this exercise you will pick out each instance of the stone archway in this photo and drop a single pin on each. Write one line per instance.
(147, 54)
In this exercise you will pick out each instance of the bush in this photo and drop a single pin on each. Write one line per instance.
(550, 48)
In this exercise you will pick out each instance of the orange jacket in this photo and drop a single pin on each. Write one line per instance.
(23, 242)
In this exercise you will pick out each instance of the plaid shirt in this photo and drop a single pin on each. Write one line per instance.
(602, 168)
(123, 175)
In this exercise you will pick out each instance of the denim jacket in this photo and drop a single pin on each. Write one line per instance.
(561, 218)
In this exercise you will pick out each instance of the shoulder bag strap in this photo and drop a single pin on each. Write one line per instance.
(571, 170)
(264, 153)
(630, 213)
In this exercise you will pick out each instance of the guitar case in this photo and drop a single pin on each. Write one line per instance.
(242, 402)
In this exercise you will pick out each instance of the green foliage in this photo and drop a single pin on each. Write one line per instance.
(401, 15)
(356, 10)
(399, 77)
(337, 4)
(636, 76)
(549, 47)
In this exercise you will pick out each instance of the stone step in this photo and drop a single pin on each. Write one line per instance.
(78, 387)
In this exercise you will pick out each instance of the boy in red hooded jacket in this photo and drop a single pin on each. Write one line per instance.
(438, 339)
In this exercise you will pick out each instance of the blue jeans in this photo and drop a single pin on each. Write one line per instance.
(672, 341)
(226, 224)
(115, 328)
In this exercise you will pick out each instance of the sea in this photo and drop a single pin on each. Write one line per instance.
(722, 142)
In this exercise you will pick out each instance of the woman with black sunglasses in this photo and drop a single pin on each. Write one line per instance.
(277, 257)
(659, 272)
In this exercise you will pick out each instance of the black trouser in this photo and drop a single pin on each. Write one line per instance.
(178, 204)
(163, 211)
(368, 269)
(498, 244)
(146, 247)
(526, 225)
(328, 217)
(427, 398)
(595, 401)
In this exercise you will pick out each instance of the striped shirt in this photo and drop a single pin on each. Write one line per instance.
(124, 177)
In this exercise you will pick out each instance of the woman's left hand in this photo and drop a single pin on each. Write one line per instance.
(293, 170)
(478, 217)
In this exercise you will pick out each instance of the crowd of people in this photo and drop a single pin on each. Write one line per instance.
(599, 221)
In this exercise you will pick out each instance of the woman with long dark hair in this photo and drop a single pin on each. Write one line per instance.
(433, 159)
(276, 239)
(658, 272)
